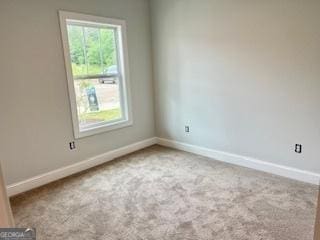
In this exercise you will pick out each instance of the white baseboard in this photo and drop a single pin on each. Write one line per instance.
(284, 171)
(289, 172)
(43, 179)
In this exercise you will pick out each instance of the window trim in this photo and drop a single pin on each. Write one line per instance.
(123, 61)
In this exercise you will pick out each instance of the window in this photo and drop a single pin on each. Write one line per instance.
(97, 70)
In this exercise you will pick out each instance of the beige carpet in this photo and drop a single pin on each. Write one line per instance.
(160, 193)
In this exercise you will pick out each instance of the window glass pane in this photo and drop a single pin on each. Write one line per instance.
(77, 54)
(109, 50)
(98, 101)
(93, 50)
(97, 86)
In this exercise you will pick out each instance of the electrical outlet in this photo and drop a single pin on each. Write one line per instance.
(72, 145)
(187, 129)
(298, 148)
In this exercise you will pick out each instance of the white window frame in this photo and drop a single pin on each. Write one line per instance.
(123, 65)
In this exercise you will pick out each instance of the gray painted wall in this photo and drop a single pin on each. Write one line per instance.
(35, 113)
(245, 75)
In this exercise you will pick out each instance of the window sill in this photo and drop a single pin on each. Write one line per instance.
(102, 128)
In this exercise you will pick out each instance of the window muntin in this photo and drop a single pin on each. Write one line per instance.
(96, 62)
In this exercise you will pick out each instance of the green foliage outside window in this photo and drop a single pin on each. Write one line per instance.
(92, 50)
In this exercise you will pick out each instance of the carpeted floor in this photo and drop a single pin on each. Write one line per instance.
(160, 193)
